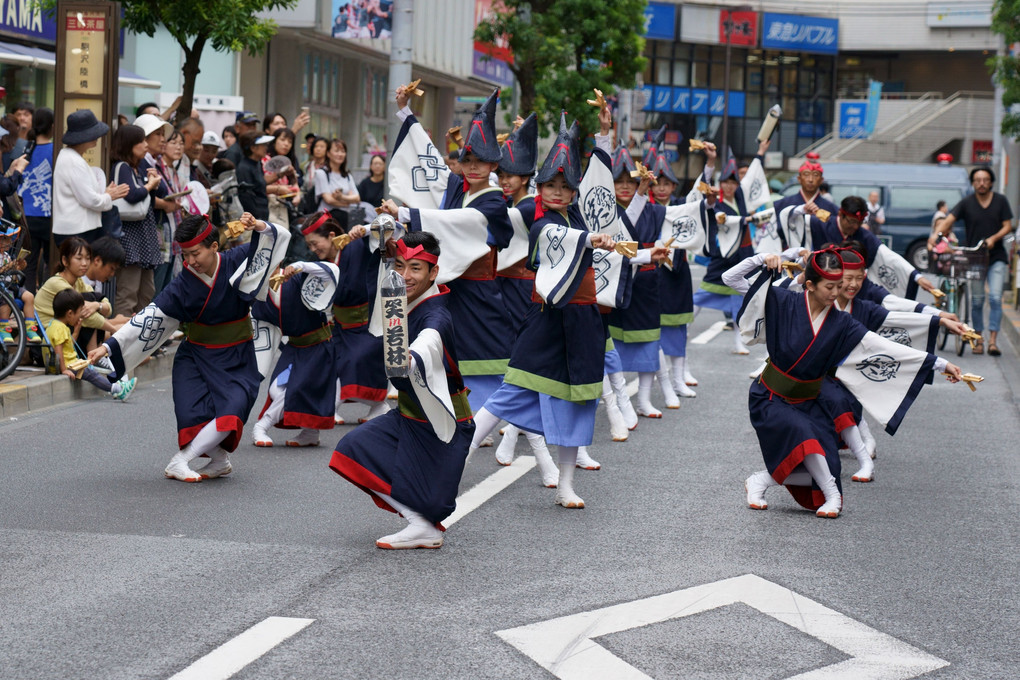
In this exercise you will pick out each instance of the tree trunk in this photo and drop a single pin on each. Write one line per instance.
(526, 83)
(192, 58)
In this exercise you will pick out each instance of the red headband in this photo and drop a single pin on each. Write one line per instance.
(206, 233)
(316, 224)
(810, 166)
(855, 260)
(416, 253)
(859, 216)
(829, 276)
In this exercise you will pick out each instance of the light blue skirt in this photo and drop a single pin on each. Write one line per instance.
(563, 423)
(613, 363)
(724, 303)
(673, 341)
(480, 388)
(642, 357)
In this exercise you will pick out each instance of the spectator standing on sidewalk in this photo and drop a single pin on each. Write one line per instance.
(334, 185)
(166, 166)
(876, 214)
(371, 188)
(37, 196)
(986, 216)
(136, 282)
(246, 121)
(22, 113)
(79, 196)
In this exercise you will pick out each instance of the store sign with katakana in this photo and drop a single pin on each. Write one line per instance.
(800, 33)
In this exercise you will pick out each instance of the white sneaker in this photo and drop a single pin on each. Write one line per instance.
(178, 469)
(260, 435)
(306, 437)
(586, 462)
(103, 366)
(218, 466)
(755, 486)
(415, 535)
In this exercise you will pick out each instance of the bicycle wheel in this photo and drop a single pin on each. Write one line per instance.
(963, 312)
(11, 354)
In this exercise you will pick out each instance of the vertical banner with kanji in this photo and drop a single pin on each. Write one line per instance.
(87, 68)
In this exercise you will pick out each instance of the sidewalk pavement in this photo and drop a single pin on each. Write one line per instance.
(1011, 323)
(29, 390)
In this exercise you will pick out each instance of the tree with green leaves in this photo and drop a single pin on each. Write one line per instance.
(563, 49)
(1006, 69)
(225, 25)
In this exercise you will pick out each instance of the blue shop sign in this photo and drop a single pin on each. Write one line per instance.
(800, 33)
(660, 21)
(24, 19)
(667, 99)
(851, 119)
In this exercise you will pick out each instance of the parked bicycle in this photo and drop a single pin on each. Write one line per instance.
(957, 267)
(12, 352)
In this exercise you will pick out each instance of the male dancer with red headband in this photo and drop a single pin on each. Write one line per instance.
(410, 460)
(215, 375)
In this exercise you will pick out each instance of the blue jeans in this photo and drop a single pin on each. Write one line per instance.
(996, 279)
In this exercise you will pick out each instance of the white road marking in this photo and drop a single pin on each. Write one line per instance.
(706, 336)
(489, 487)
(233, 655)
(565, 646)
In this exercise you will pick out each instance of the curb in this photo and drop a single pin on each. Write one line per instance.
(1011, 323)
(20, 394)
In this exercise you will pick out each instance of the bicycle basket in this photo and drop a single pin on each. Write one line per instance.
(972, 265)
(940, 263)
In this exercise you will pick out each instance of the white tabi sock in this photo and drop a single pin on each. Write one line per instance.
(619, 384)
(738, 345)
(206, 441)
(546, 467)
(665, 384)
(644, 396)
(586, 462)
(505, 450)
(419, 533)
(565, 495)
(617, 424)
(677, 370)
(485, 423)
(377, 409)
(869, 439)
(689, 379)
(756, 485)
(816, 466)
(336, 409)
(272, 415)
(853, 439)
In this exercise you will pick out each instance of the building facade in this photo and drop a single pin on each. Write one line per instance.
(809, 58)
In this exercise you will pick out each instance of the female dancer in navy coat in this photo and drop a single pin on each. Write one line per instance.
(806, 338)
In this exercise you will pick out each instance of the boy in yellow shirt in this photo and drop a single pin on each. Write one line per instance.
(68, 305)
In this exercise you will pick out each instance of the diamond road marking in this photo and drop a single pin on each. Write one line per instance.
(566, 648)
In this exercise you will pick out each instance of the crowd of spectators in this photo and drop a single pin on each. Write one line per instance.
(112, 228)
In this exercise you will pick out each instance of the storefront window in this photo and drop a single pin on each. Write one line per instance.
(26, 84)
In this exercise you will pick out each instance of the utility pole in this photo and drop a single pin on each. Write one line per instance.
(401, 52)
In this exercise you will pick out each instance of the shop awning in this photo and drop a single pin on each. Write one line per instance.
(36, 57)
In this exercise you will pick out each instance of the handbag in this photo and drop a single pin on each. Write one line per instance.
(110, 223)
(131, 212)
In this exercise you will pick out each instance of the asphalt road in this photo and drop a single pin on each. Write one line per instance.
(107, 570)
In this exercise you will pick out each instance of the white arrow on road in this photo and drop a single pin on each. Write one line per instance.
(566, 646)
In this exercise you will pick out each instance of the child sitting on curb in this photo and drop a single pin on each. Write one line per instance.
(68, 306)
